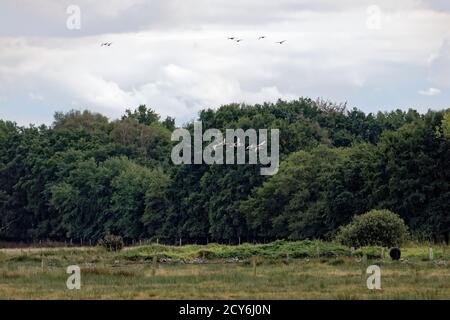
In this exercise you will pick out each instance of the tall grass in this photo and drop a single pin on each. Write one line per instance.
(314, 270)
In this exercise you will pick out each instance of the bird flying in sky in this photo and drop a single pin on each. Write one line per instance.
(281, 42)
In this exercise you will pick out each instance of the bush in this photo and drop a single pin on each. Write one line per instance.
(111, 242)
(376, 227)
(275, 250)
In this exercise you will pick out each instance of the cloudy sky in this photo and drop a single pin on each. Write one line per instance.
(174, 55)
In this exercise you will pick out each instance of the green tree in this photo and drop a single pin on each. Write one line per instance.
(376, 227)
(142, 114)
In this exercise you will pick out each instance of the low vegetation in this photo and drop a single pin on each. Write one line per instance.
(283, 270)
(271, 251)
(111, 242)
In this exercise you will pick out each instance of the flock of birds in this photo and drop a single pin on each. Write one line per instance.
(260, 38)
(108, 44)
(252, 147)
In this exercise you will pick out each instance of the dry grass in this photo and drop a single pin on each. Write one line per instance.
(41, 274)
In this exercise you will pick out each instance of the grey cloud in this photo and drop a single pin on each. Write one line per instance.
(438, 5)
(175, 56)
(439, 71)
(48, 17)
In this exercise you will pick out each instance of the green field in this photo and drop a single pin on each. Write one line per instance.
(279, 270)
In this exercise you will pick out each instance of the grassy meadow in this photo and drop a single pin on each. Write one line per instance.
(279, 270)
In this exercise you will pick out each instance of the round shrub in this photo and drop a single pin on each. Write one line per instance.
(376, 227)
(111, 242)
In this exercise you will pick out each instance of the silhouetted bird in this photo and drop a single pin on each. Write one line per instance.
(108, 44)
(231, 38)
(219, 144)
(239, 40)
(262, 37)
(281, 42)
(257, 147)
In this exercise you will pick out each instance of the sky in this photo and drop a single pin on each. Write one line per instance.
(175, 55)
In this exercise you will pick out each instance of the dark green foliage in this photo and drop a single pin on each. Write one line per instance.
(315, 193)
(376, 227)
(142, 114)
(111, 242)
(85, 177)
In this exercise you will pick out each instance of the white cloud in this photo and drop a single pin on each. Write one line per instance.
(36, 96)
(439, 69)
(175, 56)
(430, 92)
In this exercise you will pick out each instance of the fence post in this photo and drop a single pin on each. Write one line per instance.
(155, 264)
(42, 261)
(430, 253)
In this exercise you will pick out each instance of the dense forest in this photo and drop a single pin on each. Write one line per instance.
(85, 176)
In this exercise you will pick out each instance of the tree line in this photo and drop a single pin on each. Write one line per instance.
(84, 176)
